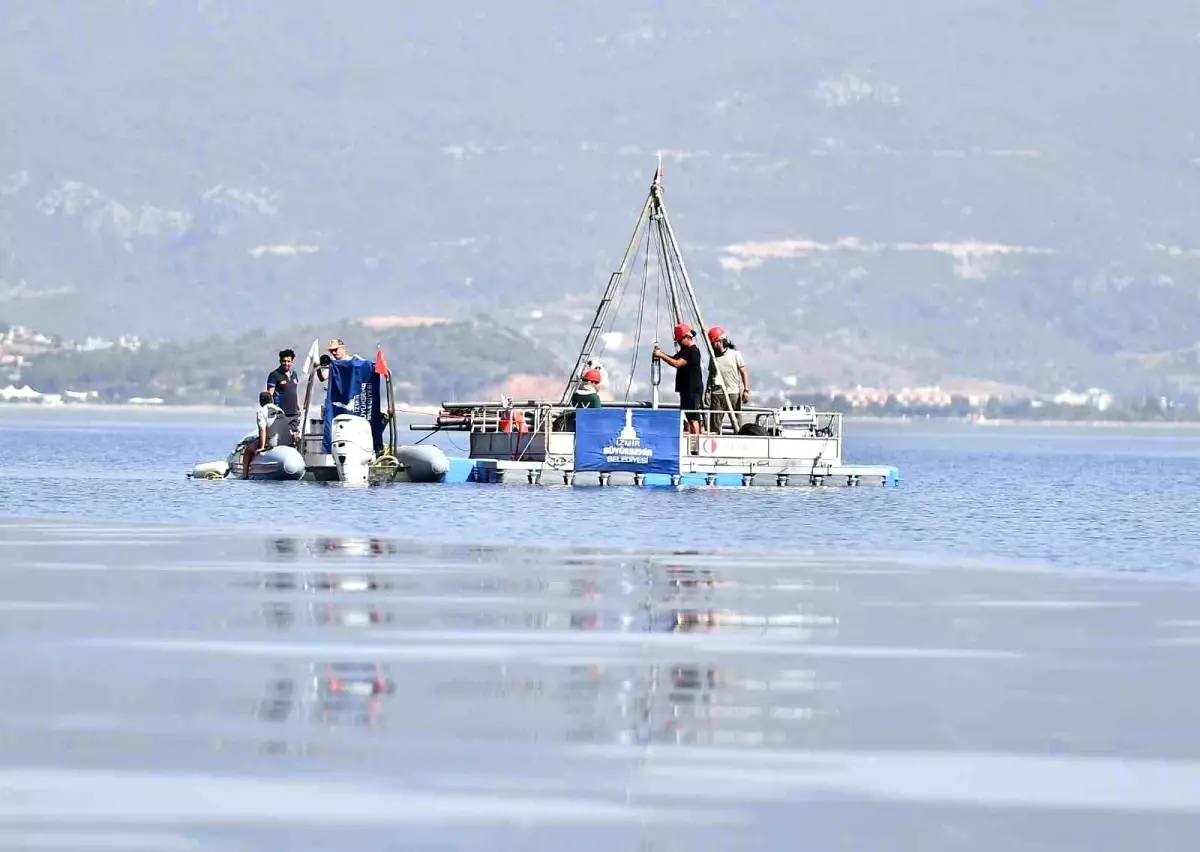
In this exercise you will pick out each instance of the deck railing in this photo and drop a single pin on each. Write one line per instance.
(534, 417)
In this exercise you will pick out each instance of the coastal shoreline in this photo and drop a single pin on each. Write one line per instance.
(1007, 423)
(168, 410)
(123, 408)
(98, 407)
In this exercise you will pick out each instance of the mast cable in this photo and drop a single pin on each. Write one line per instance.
(637, 340)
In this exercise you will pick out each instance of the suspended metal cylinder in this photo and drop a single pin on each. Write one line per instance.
(655, 379)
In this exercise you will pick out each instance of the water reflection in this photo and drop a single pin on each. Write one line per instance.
(679, 604)
(693, 703)
(687, 578)
(337, 693)
(701, 700)
(285, 614)
(694, 692)
(333, 695)
(291, 547)
(321, 581)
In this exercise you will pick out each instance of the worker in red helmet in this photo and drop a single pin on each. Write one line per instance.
(728, 380)
(587, 395)
(689, 376)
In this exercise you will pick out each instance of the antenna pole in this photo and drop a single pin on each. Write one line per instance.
(658, 217)
(312, 373)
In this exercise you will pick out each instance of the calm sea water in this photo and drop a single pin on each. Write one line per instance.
(995, 656)
(1085, 498)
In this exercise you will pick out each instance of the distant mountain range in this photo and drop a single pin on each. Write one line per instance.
(977, 193)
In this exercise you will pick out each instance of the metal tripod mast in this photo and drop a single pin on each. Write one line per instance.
(652, 211)
(610, 292)
(689, 292)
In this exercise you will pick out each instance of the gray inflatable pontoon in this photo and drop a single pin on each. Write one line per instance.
(424, 463)
(277, 463)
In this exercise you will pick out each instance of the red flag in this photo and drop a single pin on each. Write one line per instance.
(381, 366)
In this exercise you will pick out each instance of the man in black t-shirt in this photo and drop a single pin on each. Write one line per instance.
(284, 386)
(689, 376)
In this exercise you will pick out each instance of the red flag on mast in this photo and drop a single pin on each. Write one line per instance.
(381, 366)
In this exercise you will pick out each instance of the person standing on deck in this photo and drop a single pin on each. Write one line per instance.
(337, 352)
(689, 376)
(735, 380)
(587, 395)
(284, 386)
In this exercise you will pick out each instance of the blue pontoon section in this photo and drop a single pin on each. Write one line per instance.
(493, 471)
(461, 470)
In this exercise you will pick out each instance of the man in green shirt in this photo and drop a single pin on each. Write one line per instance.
(587, 395)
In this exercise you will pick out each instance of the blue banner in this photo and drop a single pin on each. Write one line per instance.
(634, 440)
(354, 388)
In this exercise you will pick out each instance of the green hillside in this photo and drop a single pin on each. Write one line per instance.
(429, 363)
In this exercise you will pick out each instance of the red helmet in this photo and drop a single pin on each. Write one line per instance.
(592, 376)
(716, 333)
(683, 330)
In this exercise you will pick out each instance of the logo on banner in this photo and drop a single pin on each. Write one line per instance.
(609, 439)
(364, 400)
(361, 403)
(627, 447)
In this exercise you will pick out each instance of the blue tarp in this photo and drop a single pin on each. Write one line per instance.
(629, 440)
(354, 388)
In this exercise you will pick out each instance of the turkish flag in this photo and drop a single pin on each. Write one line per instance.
(381, 366)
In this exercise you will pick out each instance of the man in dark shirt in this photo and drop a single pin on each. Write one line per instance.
(689, 377)
(284, 385)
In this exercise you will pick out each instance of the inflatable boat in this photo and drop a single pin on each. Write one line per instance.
(349, 437)
(277, 464)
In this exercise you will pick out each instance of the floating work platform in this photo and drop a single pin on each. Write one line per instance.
(546, 444)
(644, 442)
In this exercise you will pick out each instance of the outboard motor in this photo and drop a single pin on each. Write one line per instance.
(353, 448)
